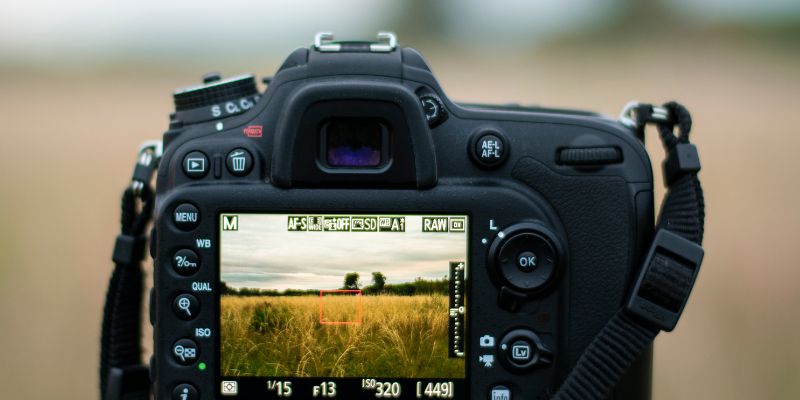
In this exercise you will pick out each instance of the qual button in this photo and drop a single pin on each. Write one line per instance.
(186, 307)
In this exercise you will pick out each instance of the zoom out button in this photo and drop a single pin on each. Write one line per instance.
(185, 352)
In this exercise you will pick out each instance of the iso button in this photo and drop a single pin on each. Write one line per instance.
(186, 217)
(239, 162)
(185, 352)
(489, 149)
(195, 165)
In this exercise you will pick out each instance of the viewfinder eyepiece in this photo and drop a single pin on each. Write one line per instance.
(354, 143)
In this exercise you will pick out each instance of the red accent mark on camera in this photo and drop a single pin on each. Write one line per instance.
(254, 131)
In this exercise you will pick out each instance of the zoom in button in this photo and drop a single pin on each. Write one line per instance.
(186, 307)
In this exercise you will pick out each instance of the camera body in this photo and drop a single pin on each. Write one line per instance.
(499, 240)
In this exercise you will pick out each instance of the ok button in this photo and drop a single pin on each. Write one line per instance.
(526, 261)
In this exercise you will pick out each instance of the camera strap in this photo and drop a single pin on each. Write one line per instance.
(657, 300)
(122, 374)
(669, 269)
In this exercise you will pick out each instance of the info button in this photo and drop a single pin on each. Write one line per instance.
(186, 217)
(500, 393)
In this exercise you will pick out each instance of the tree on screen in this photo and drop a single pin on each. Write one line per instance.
(351, 281)
(378, 281)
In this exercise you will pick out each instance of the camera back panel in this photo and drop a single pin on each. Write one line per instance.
(555, 205)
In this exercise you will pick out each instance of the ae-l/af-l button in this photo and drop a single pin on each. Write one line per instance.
(489, 149)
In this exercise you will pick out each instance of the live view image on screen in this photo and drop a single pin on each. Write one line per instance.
(343, 296)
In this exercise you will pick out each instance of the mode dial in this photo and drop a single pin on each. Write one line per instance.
(215, 98)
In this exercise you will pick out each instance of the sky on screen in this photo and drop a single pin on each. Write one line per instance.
(263, 254)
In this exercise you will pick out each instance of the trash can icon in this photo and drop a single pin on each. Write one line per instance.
(238, 161)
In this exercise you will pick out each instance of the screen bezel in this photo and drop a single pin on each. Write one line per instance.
(464, 382)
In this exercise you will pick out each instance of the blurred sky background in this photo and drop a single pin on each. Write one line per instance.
(83, 82)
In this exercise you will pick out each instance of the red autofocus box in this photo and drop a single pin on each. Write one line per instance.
(353, 317)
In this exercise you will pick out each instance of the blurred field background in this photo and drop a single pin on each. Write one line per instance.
(82, 83)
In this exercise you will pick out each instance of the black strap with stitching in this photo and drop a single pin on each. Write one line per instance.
(122, 374)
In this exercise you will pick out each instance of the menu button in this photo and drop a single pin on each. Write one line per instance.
(186, 217)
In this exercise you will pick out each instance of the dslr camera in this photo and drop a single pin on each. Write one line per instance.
(352, 233)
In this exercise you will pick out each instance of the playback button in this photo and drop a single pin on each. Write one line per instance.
(195, 165)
